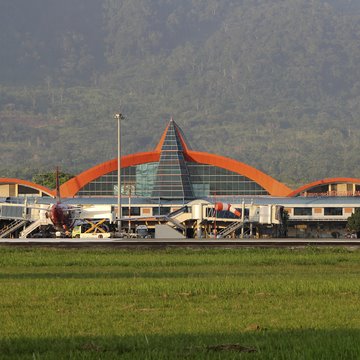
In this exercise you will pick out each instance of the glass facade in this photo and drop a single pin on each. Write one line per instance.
(209, 180)
(145, 178)
(206, 180)
(173, 177)
(135, 181)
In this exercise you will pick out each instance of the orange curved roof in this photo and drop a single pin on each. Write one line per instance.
(272, 186)
(72, 186)
(313, 184)
(28, 184)
(162, 139)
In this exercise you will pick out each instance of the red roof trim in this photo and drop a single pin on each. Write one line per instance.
(275, 188)
(337, 180)
(272, 186)
(28, 184)
(74, 185)
(162, 139)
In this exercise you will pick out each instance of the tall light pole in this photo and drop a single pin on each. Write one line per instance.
(119, 117)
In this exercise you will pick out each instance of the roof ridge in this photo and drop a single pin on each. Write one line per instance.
(178, 133)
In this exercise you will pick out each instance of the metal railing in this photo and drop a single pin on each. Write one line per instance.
(229, 229)
(8, 229)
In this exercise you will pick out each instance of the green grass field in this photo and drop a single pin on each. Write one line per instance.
(179, 304)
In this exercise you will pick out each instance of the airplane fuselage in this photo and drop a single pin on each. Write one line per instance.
(60, 216)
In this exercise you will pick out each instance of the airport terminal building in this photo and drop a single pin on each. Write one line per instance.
(174, 175)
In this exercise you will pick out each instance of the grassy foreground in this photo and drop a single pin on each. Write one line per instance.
(179, 304)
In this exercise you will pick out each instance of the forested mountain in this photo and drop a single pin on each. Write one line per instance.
(275, 84)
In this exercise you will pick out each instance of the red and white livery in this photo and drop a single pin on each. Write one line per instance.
(220, 206)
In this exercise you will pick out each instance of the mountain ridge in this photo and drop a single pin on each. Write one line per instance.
(275, 85)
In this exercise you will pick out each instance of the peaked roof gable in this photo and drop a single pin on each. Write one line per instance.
(172, 177)
(173, 128)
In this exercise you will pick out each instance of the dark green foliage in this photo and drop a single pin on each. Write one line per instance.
(49, 179)
(276, 81)
(353, 223)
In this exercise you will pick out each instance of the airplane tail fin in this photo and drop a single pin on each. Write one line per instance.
(58, 198)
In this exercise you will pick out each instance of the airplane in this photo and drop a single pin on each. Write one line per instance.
(60, 213)
(61, 216)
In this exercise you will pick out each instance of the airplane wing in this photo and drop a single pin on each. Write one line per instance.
(45, 208)
(133, 218)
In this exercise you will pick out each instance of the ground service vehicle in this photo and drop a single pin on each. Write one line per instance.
(90, 230)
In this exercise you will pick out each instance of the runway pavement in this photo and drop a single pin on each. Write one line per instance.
(159, 243)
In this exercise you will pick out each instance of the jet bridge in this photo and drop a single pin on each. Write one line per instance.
(16, 215)
(19, 216)
(228, 218)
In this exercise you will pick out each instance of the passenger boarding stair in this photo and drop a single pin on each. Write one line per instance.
(177, 212)
(175, 223)
(229, 229)
(7, 230)
(33, 226)
(176, 218)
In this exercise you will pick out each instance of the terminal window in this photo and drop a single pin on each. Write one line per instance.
(303, 211)
(333, 211)
(161, 210)
(134, 211)
(208, 180)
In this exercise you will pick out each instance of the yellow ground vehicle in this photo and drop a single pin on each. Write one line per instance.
(91, 230)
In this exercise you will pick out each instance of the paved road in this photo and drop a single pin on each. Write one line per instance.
(159, 243)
